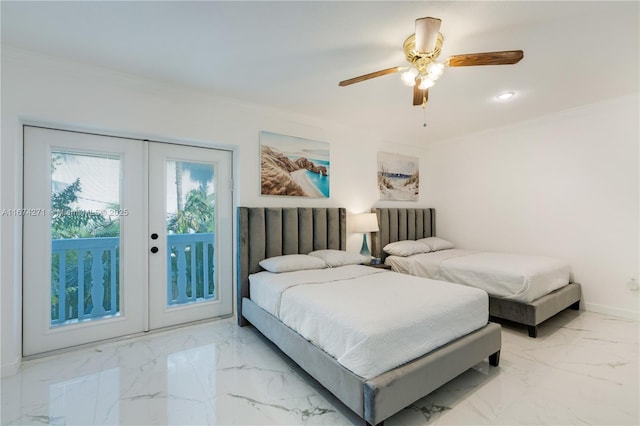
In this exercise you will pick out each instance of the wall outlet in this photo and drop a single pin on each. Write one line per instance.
(633, 284)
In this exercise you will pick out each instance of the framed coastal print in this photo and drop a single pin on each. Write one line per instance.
(398, 177)
(292, 166)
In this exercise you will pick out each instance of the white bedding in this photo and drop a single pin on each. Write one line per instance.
(511, 276)
(369, 319)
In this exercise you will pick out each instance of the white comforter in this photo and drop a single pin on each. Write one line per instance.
(511, 276)
(370, 320)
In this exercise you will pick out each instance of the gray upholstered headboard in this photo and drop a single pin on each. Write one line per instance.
(272, 231)
(402, 224)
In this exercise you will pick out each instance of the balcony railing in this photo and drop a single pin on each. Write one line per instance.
(190, 272)
(85, 275)
(83, 271)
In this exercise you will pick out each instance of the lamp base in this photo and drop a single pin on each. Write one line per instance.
(364, 250)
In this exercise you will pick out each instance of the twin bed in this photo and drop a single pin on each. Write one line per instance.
(378, 340)
(523, 289)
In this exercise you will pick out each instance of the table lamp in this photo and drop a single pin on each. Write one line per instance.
(365, 223)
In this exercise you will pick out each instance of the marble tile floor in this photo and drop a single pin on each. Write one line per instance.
(582, 369)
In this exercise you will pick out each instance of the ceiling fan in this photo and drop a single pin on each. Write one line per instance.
(422, 50)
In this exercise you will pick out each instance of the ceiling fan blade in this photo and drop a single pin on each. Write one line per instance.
(427, 33)
(370, 76)
(419, 95)
(506, 57)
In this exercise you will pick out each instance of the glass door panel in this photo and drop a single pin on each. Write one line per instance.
(85, 237)
(190, 232)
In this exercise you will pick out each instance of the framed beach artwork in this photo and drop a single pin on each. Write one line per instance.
(292, 166)
(398, 177)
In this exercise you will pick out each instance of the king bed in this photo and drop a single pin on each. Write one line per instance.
(287, 305)
(522, 289)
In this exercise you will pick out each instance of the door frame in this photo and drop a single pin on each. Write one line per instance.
(18, 225)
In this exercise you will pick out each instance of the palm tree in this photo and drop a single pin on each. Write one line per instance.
(199, 172)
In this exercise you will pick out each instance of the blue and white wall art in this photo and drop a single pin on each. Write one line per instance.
(398, 177)
(292, 166)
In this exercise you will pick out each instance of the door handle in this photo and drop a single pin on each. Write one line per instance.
(154, 249)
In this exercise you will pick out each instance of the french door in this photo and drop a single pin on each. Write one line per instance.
(190, 234)
(121, 236)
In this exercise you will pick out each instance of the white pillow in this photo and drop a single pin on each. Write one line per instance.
(335, 258)
(406, 248)
(292, 262)
(436, 243)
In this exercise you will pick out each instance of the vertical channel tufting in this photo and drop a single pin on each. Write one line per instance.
(333, 229)
(243, 239)
(402, 224)
(382, 236)
(305, 230)
(290, 231)
(393, 224)
(432, 222)
(411, 225)
(387, 234)
(426, 220)
(343, 228)
(420, 224)
(273, 228)
(257, 246)
(243, 262)
(319, 228)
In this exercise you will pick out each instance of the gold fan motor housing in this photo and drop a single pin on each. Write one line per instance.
(413, 56)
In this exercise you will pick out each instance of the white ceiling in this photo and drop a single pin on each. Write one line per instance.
(291, 55)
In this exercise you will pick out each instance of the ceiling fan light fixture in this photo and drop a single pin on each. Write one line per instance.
(409, 77)
(422, 50)
(505, 95)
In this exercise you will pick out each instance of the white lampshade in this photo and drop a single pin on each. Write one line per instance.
(366, 222)
(425, 83)
(409, 77)
(435, 70)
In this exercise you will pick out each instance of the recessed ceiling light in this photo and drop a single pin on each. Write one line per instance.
(506, 95)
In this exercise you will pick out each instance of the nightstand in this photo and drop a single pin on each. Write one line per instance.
(379, 266)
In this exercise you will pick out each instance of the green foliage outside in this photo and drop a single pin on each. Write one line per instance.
(71, 222)
(197, 215)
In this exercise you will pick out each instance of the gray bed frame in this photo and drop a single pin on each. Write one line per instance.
(413, 224)
(267, 232)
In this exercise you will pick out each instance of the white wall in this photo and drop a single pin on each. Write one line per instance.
(564, 185)
(39, 89)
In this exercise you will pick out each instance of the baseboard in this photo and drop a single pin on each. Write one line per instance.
(615, 312)
(11, 368)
